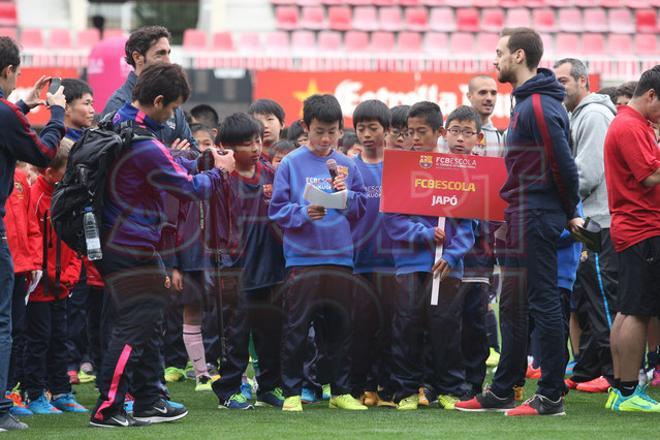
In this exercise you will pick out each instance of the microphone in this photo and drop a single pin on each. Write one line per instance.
(332, 169)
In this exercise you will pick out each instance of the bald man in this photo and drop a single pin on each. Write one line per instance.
(482, 94)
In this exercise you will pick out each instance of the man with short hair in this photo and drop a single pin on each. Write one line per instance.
(482, 94)
(595, 289)
(624, 92)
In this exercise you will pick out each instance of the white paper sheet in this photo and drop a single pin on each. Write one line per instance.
(334, 200)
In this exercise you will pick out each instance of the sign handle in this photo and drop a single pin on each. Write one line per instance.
(435, 290)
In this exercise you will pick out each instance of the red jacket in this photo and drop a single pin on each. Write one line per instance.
(94, 278)
(22, 229)
(42, 192)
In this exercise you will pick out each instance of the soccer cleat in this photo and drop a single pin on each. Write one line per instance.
(68, 403)
(293, 404)
(236, 401)
(598, 385)
(18, 408)
(636, 402)
(612, 397)
(73, 377)
(493, 358)
(538, 405)
(42, 406)
(85, 377)
(427, 396)
(174, 374)
(533, 373)
(246, 390)
(486, 402)
(8, 422)
(273, 398)
(203, 383)
(382, 403)
(327, 392)
(656, 377)
(119, 420)
(409, 403)
(128, 403)
(447, 401)
(346, 401)
(518, 393)
(569, 368)
(369, 398)
(308, 396)
(570, 384)
(160, 412)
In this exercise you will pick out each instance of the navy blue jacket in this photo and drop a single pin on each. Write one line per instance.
(176, 127)
(19, 142)
(542, 172)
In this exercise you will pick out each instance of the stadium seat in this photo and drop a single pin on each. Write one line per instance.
(113, 33)
(332, 2)
(382, 42)
(561, 3)
(595, 20)
(611, 3)
(249, 42)
(620, 21)
(436, 42)
(8, 32)
(358, 2)
(569, 20)
(637, 4)
(646, 20)
(389, 18)
(32, 38)
(543, 20)
(364, 18)
(223, 41)
(535, 4)
(442, 20)
(486, 3)
(277, 41)
(381, 3)
(410, 2)
(583, 3)
(593, 44)
(458, 3)
(511, 3)
(304, 3)
(467, 20)
(409, 42)
(88, 38)
(193, 39)
(313, 17)
(461, 43)
(356, 41)
(8, 16)
(487, 43)
(619, 44)
(417, 19)
(340, 18)
(518, 17)
(443, 3)
(60, 39)
(492, 20)
(329, 41)
(303, 40)
(286, 17)
(646, 44)
(568, 44)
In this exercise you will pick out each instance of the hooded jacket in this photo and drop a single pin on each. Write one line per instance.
(589, 123)
(542, 172)
(23, 234)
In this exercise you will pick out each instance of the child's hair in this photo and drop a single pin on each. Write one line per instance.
(372, 110)
(464, 113)
(75, 89)
(238, 128)
(429, 111)
(347, 141)
(323, 108)
(205, 114)
(400, 116)
(294, 131)
(194, 128)
(267, 107)
(283, 147)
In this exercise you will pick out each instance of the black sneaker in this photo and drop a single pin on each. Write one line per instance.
(10, 423)
(160, 412)
(119, 420)
(485, 402)
(539, 405)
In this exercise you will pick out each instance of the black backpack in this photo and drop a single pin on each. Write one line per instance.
(83, 184)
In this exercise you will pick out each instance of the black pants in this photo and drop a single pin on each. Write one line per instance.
(173, 349)
(372, 333)
(316, 369)
(94, 309)
(18, 306)
(595, 296)
(529, 289)
(259, 312)
(76, 343)
(309, 290)
(45, 354)
(474, 338)
(136, 295)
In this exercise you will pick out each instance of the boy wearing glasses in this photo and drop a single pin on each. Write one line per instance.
(397, 137)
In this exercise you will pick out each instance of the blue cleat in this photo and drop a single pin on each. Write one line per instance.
(68, 403)
(42, 406)
(308, 396)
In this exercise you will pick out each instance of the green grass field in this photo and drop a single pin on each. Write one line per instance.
(586, 419)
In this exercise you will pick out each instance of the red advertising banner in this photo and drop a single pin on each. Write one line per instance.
(443, 185)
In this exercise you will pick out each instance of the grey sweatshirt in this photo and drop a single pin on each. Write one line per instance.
(589, 123)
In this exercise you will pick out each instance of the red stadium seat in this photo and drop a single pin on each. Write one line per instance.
(223, 41)
(461, 43)
(358, 2)
(382, 42)
(329, 41)
(621, 22)
(32, 38)
(313, 18)
(60, 39)
(568, 44)
(611, 3)
(417, 19)
(194, 39)
(487, 43)
(646, 44)
(409, 42)
(442, 3)
(518, 17)
(286, 17)
(442, 20)
(277, 41)
(492, 20)
(356, 41)
(619, 44)
(303, 40)
(467, 20)
(436, 42)
(544, 20)
(512, 3)
(595, 20)
(8, 32)
(410, 2)
(646, 20)
(535, 3)
(593, 44)
(486, 3)
(364, 18)
(249, 42)
(389, 18)
(332, 2)
(88, 38)
(340, 18)
(382, 3)
(8, 14)
(570, 20)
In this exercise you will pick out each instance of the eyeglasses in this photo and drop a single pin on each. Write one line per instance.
(465, 132)
(400, 133)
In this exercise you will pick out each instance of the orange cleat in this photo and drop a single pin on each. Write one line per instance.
(598, 385)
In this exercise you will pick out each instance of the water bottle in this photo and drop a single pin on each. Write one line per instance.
(92, 238)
